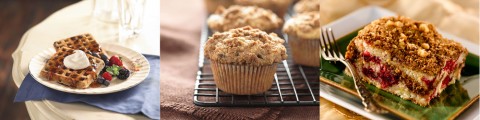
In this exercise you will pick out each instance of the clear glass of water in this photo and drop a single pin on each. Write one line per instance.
(105, 10)
(131, 13)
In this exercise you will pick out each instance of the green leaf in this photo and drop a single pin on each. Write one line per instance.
(113, 70)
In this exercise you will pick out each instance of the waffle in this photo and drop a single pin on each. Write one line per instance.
(84, 42)
(55, 70)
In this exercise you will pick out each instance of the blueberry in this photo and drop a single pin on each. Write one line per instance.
(101, 80)
(123, 74)
(104, 58)
(95, 54)
(106, 83)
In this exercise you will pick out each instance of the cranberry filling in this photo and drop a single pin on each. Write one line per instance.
(449, 66)
(368, 57)
(428, 82)
(385, 77)
(446, 81)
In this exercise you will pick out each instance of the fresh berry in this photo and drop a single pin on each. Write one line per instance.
(107, 76)
(104, 58)
(95, 54)
(123, 74)
(100, 80)
(114, 60)
(106, 83)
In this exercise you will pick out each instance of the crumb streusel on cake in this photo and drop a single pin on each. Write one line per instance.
(245, 46)
(407, 58)
(305, 25)
(303, 6)
(239, 16)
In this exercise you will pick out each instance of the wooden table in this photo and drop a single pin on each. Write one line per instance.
(72, 20)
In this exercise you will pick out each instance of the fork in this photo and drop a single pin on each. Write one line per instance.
(331, 52)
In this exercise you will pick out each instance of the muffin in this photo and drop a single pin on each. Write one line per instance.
(244, 60)
(280, 7)
(212, 5)
(303, 32)
(307, 6)
(239, 16)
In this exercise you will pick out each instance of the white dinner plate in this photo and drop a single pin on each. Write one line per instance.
(130, 59)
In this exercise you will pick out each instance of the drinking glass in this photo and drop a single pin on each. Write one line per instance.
(131, 13)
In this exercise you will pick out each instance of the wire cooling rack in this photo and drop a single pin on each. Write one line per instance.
(294, 85)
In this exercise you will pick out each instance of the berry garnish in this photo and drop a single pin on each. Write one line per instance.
(114, 60)
(113, 70)
(100, 80)
(106, 83)
(104, 58)
(123, 74)
(107, 76)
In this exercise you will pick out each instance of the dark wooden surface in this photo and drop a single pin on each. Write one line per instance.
(16, 17)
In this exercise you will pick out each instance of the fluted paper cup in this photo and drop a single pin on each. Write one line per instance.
(243, 79)
(305, 51)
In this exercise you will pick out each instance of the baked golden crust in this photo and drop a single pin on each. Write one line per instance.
(239, 16)
(303, 6)
(245, 45)
(279, 7)
(415, 44)
(55, 70)
(305, 26)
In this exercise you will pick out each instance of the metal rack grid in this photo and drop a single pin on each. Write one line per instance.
(294, 85)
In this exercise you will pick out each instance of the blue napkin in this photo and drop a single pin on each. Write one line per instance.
(143, 98)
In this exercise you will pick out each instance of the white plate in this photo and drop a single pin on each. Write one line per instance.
(356, 20)
(129, 58)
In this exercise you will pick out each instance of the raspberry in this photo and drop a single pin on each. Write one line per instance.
(114, 60)
(107, 76)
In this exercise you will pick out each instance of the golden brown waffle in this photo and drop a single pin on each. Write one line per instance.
(55, 70)
(84, 42)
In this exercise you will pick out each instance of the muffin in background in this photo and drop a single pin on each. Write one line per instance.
(244, 60)
(279, 7)
(304, 6)
(239, 16)
(212, 5)
(303, 32)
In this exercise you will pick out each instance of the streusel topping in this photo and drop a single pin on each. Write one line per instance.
(239, 16)
(305, 25)
(245, 45)
(303, 6)
(415, 44)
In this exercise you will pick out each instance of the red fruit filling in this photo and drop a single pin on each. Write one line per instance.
(385, 76)
(449, 66)
(368, 57)
(446, 81)
(428, 82)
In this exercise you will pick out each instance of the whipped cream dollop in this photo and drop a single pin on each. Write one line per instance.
(77, 60)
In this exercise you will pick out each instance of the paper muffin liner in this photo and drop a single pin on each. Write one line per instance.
(243, 79)
(305, 51)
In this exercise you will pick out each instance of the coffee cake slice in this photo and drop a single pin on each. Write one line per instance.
(407, 58)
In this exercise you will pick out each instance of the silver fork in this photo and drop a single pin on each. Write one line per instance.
(331, 52)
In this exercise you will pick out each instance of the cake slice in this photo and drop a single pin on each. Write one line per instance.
(55, 70)
(407, 58)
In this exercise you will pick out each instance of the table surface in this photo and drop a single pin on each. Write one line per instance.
(69, 21)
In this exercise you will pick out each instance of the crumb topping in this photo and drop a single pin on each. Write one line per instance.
(245, 45)
(305, 25)
(303, 6)
(277, 6)
(239, 16)
(415, 44)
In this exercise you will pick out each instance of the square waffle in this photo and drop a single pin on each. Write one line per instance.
(84, 42)
(55, 70)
